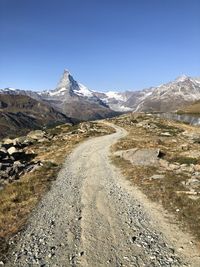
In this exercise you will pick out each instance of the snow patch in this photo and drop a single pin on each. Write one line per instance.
(182, 78)
(83, 91)
(115, 95)
(61, 91)
(8, 89)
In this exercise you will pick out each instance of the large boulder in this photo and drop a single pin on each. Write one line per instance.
(15, 153)
(13, 159)
(36, 135)
(142, 156)
(23, 141)
(7, 143)
(12, 150)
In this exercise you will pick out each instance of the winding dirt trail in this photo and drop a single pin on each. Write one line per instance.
(91, 217)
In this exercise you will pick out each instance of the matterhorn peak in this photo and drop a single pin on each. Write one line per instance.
(66, 81)
(66, 71)
(182, 78)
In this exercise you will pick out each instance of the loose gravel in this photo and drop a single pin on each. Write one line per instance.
(89, 219)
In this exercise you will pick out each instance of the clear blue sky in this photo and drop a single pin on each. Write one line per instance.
(106, 44)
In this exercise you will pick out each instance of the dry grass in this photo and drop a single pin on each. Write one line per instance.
(169, 191)
(18, 199)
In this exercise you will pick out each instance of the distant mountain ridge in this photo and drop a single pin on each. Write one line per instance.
(12, 91)
(171, 96)
(166, 97)
(77, 101)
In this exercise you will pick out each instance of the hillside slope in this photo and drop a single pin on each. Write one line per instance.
(20, 113)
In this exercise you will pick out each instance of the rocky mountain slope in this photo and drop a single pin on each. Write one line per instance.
(171, 96)
(115, 100)
(21, 113)
(166, 97)
(13, 91)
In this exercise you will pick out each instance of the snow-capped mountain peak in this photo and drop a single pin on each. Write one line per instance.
(68, 86)
(182, 78)
(67, 82)
(8, 90)
(69, 90)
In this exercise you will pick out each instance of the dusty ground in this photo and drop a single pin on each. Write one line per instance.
(92, 217)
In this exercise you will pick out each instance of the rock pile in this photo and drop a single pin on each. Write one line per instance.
(14, 161)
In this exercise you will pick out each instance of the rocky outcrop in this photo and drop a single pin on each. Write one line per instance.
(14, 160)
(37, 135)
(141, 157)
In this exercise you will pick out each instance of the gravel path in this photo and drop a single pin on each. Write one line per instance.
(89, 219)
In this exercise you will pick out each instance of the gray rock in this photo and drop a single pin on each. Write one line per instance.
(167, 134)
(193, 183)
(144, 156)
(15, 153)
(36, 135)
(23, 141)
(43, 140)
(157, 176)
(12, 150)
(7, 143)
